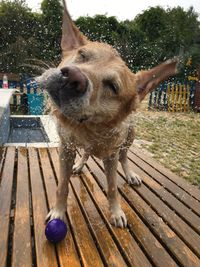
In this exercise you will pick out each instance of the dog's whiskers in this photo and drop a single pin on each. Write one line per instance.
(35, 67)
(43, 63)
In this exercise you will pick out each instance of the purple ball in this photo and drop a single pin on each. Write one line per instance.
(55, 230)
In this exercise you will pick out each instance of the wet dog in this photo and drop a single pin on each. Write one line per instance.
(94, 93)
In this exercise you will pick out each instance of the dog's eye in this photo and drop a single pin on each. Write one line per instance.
(82, 55)
(111, 85)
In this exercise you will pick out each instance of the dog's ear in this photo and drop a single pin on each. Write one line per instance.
(149, 80)
(72, 38)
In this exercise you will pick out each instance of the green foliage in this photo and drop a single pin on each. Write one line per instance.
(153, 36)
(152, 22)
(50, 38)
(27, 35)
(99, 28)
(17, 27)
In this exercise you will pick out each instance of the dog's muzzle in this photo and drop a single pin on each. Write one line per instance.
(76, 82)
(68, 88)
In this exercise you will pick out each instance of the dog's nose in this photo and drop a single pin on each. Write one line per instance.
(76, 80)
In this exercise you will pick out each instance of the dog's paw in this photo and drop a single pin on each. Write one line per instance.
(133, 178)
(56, 214)
(118, 218)
(77, 168)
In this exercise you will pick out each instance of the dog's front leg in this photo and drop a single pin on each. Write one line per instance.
(66, 156)
(118, 218)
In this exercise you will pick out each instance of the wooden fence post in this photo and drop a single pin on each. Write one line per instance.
(197, 94)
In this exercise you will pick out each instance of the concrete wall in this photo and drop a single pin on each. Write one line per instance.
(5, 96)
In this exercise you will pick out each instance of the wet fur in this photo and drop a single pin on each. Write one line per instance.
(100, 120)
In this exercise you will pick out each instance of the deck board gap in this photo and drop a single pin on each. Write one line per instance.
(168, 205)
(52, 166)
(165, 202)
(162, 223)
(109, 227)
(155, 193)
(170, 225)
(165, 175)
(89, 226)
(2, 161)
(168, 190)
(71, 229)
(50, 181)
(42, 178)
(160, 215)
(149, 225)
(12, 214)
(33, 241)
(141, 247)
(151, 229)
(113, 235)
(137, 213)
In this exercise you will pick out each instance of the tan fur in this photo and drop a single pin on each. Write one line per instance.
(108, 130)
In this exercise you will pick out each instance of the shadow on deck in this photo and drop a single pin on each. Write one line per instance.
(163, 215)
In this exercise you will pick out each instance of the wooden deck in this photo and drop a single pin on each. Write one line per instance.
(163, 215)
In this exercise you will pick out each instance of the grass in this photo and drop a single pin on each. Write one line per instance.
(173, 140)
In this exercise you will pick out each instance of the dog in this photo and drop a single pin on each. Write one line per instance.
(94, 93)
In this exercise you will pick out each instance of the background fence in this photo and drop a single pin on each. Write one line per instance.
(173, 97)
(28, 100)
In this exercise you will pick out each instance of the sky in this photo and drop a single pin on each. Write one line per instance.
(122, 9)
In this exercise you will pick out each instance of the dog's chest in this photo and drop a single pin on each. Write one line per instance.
(99, 142)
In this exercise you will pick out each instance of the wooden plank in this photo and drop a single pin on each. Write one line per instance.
(103, 239)
(191, 189)
(150, 244)
(45, 252)
(176, 98)
(182, 229)
(176, 203)
(126, 243)
(187, 234)
(173, 96)
(168, 184)
(22, 255)
(87, 249)
(124, 240)
(180, 194)
(5, 200)
(67, 253)
(159, 228)
(55, 160)
(88, 219)
(168, 97)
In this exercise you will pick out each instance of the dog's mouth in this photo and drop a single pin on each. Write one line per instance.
(84, 118)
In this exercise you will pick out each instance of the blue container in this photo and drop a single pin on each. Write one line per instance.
(35, 104)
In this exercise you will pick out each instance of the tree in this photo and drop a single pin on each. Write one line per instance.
(152, 22)
(99, 28)
(17, 25)
(182, 29)
(168, 32)
(50, 37)
(153, 36)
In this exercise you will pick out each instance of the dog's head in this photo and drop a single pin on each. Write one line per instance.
(93, 84)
